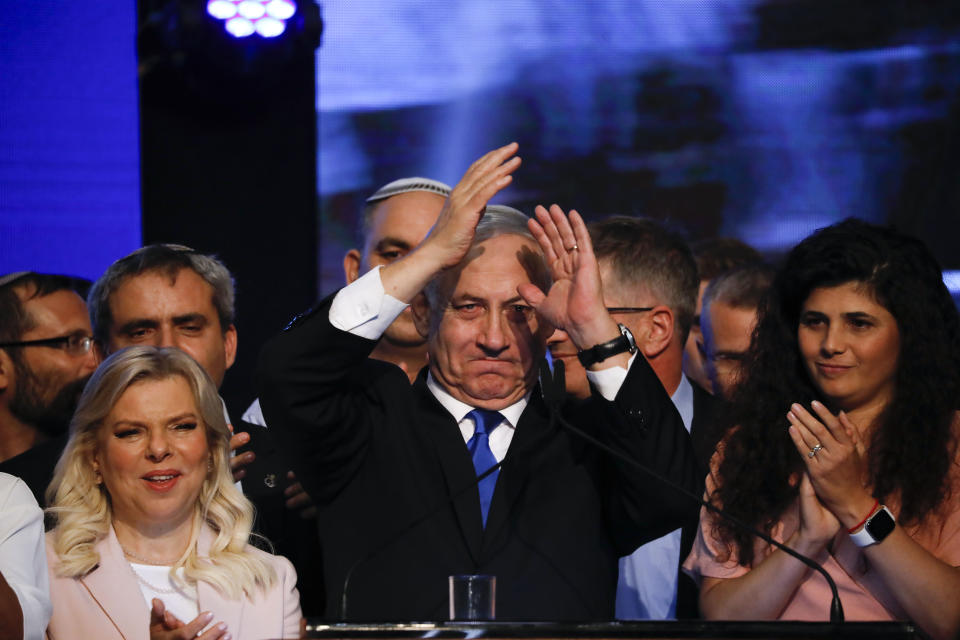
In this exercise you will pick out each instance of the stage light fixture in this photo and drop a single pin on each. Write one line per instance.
(239, 27)
(243, 18)
(221, 9)
(281, 9)
(251, 10)
(269, 27)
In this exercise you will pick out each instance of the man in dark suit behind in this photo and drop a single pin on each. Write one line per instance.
(650, 284)
(394, 467)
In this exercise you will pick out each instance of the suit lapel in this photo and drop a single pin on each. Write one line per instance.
(114, 587)
(455, 463)
(533, 426)
(209, 599)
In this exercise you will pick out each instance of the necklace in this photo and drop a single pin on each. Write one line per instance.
(157, 589)
(161, 563)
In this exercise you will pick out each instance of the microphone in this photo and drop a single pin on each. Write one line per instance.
(552, 387)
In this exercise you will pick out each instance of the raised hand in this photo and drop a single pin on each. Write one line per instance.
(166, 626)
(575, 301)
(835, 461)
(455, 227)
(451, 236)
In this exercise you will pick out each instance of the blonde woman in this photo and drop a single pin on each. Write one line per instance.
(151, 533)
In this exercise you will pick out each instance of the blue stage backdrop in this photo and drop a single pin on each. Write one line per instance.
(69, 160)
(762, 119)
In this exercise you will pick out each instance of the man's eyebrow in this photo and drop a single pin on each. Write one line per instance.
(139, 323)
(188, 318)
(390, 241)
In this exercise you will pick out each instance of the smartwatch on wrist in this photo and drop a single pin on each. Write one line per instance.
(877, 527)
(600, 352)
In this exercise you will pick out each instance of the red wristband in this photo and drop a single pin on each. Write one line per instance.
(873, 510)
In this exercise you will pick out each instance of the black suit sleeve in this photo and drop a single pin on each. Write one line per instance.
(314, 384)
(643, 423)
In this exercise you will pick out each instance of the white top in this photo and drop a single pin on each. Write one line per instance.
(22, 557)
(647, 587)
(155, 582)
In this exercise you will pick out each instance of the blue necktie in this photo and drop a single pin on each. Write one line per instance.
(479, 448)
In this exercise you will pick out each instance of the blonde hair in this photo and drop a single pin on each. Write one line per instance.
(81, 504)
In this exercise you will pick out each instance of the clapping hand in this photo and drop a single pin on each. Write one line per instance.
(835, 458)
(166, 626)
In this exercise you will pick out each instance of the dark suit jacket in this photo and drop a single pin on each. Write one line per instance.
(289, 534)
(704, 436)
(399, 508)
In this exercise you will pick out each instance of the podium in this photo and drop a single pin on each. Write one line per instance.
(619, 630)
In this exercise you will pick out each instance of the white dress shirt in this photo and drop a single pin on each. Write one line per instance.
(647, 587)
(23, 559)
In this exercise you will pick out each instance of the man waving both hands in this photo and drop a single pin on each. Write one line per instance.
(394, 468)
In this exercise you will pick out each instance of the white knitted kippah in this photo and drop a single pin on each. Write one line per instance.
(406, 185)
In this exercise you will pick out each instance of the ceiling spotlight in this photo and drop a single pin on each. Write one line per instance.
(221, 9)
(251, 10)
(269, 27)
(266, 18)
(239, 27)
(281, 9)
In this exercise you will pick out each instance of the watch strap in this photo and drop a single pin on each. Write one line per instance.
(600, 352)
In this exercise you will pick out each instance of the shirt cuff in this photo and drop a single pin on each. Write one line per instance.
(363, 308)
(608, 381)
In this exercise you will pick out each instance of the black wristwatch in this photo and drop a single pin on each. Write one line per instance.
(600, 352)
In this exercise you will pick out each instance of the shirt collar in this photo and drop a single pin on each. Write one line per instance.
(683, 400)
(226, 414)
(459, 410)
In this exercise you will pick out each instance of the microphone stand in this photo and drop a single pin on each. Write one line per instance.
(552, 395)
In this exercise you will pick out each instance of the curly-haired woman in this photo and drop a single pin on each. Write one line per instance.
(151, 532)
(843, 442)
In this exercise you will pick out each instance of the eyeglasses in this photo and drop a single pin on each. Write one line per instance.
(628, 309)
(76, 344)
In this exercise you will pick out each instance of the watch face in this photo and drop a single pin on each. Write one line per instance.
(880, 525)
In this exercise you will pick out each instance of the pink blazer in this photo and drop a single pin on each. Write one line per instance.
(107, 602)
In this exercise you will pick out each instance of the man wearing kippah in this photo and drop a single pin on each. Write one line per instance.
(396, 219)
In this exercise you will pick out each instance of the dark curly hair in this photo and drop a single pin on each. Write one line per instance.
(913, 445)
